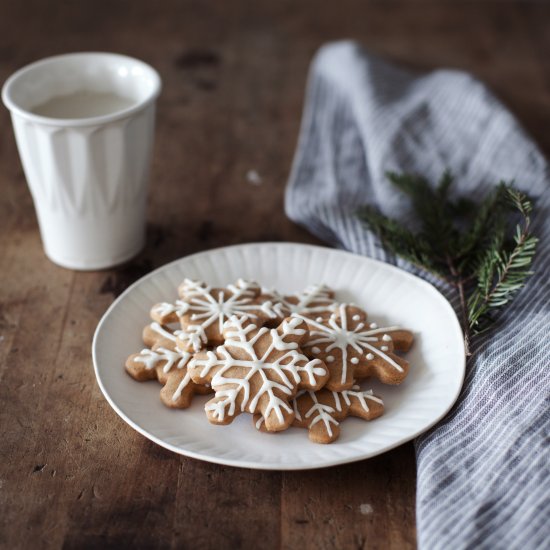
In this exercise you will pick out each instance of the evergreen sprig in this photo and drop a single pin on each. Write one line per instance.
(466, 244)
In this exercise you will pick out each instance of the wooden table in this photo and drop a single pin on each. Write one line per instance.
(73, 474)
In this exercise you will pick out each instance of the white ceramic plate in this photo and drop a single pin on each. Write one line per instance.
(386, 292)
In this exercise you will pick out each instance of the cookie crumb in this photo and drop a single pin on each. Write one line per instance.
(366, 509)
(253, 177)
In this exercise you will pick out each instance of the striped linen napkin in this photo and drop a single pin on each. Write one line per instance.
(483, 472)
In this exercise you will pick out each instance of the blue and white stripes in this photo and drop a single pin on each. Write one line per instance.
(484, 471)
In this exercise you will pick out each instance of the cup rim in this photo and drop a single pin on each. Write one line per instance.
(10, 102)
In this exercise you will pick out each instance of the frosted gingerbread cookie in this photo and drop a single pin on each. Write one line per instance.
(202, 311)
(257, 370)
(163, 361)
(322, 411)
(313, 301)
(160, 356)
(354, 349)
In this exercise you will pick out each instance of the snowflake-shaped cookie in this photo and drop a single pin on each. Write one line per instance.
(353, 349)
(202, 311)
(162, 360)
(321, 412)
(313, 301)
(257, 370)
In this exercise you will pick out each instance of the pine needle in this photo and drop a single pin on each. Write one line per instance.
(400, 240)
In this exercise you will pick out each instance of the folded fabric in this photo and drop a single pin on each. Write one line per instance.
(484, 471)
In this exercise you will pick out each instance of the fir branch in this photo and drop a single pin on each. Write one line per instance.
(398, 239)
(433, 210)
(490, 215)
(504, 270)
(477, 260)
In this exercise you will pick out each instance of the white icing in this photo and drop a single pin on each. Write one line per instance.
(319, 319)
(163, 309)
(195, 339)
(208, 307)
(354, 360)
(313, 299)
(161, 331)
(277, 371)
(183, 384)
(330, 358)
(176, 357)
(386, 338)
(334, 333)
(315, 349)
(295, 404)
(337, 402)
(362, 396)
(150, 358)
(356, 317)
(323, 412)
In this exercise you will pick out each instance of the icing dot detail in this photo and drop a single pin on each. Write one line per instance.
(386, 338)
(330, 359)
(384, 348)
(354, 360)
(315, 349)
(319, 319)
(356, 317)
(351, 339)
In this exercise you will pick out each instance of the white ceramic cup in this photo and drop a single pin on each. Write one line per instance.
(88, 176)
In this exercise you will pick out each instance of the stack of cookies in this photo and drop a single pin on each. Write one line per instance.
(288, 360)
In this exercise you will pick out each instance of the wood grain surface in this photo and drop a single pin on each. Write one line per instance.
(72, 473)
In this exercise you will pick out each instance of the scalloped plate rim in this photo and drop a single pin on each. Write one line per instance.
(277, 466)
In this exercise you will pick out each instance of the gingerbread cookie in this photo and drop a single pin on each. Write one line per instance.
(353, 349)
(202, 311)
(321, 412)
(257, 370)
(161, 355)
(164, 362)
